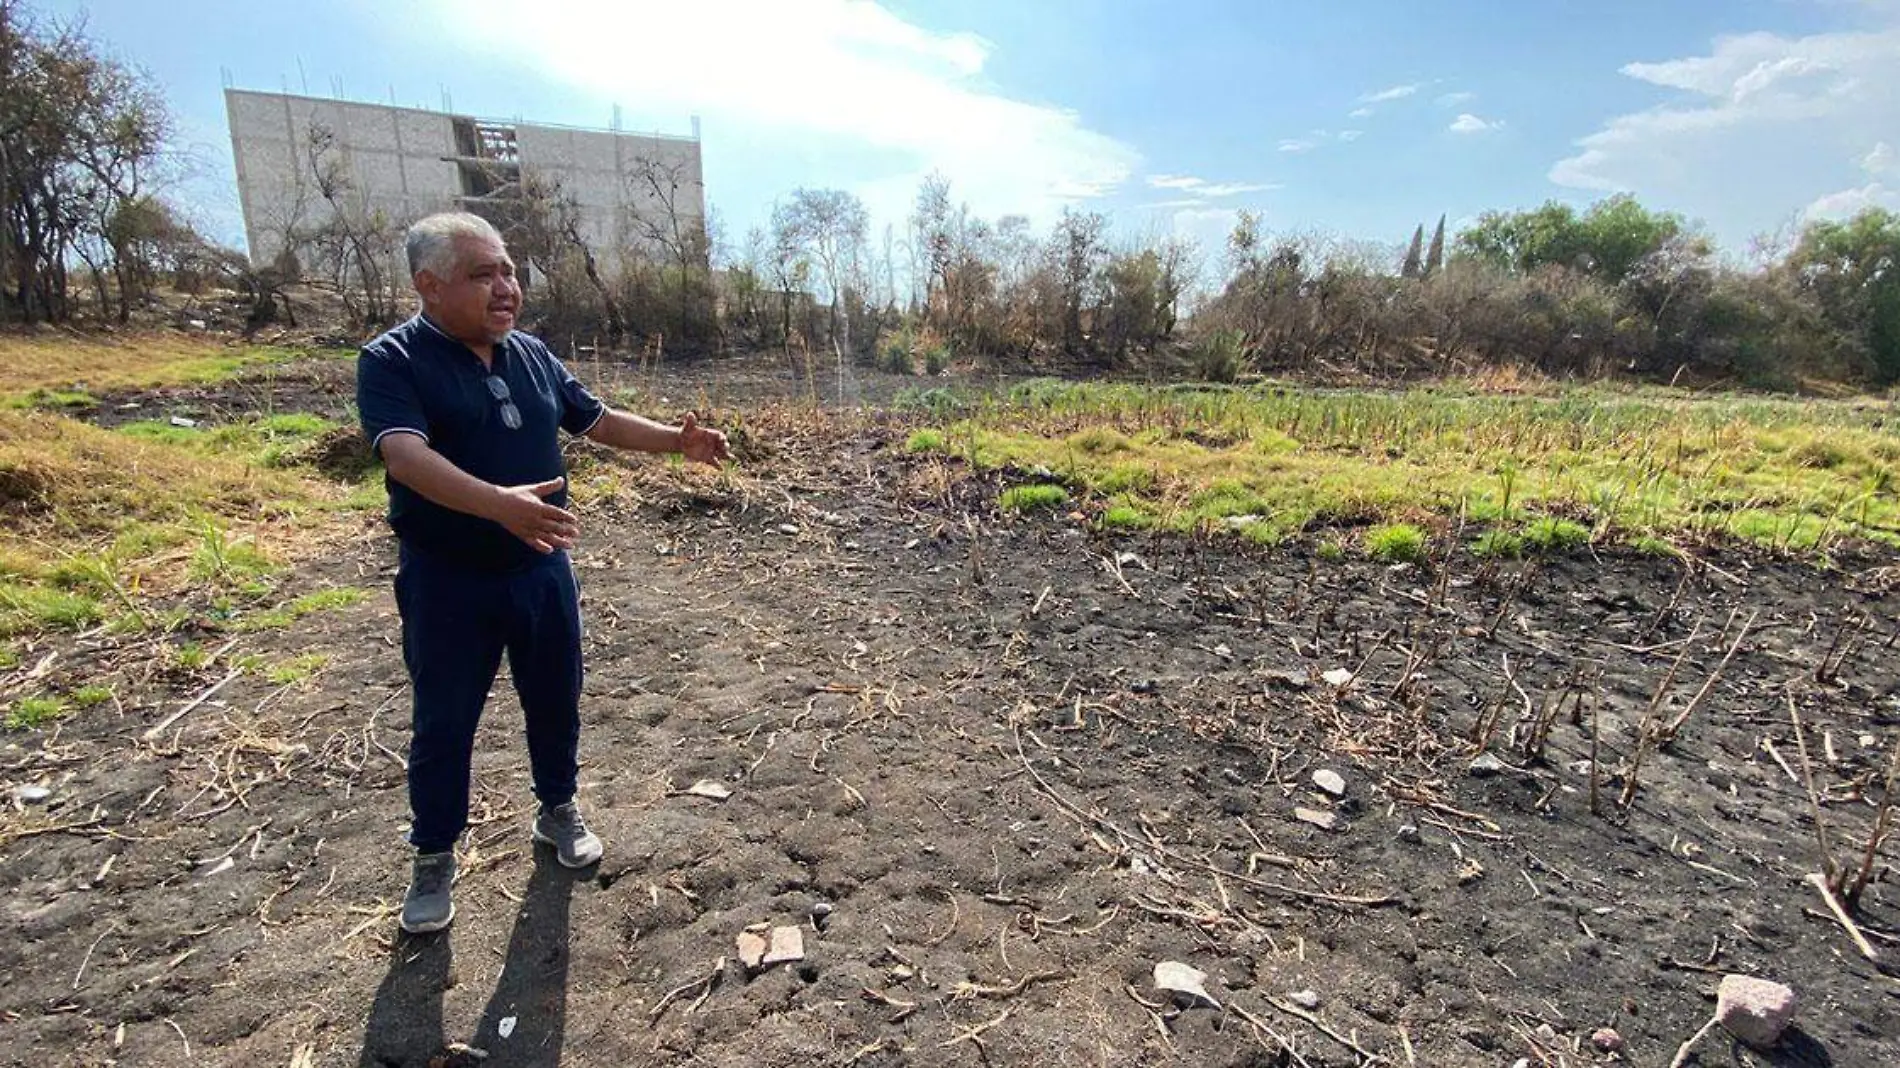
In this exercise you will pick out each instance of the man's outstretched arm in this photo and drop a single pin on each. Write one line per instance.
(624, 430)
(519, 509)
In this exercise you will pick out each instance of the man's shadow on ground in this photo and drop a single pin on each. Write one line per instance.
(530, 998)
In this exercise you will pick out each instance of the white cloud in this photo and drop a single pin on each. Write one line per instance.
(1850, 202)
(1467, 123)
(1452, 100)
(1397, 92)
(1298, 144)
(1359, 113)
(842, 92)
(1209, 228)
(1879, 163)
(1764, 124)
(1350, 136)
(1201, 190)
(1234, 189)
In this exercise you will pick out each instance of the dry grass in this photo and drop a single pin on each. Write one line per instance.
(95, 523)
(98, 363)
(1275, 462)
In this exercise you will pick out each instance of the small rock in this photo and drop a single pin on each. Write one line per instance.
(1146, 686)
(820, 913)
(1606, 1040)
(1185, 984)
(1305, 999)
(183, 423)
(1408, 832)
(31, 795)
(1292, 680)
(1224, 651)
(1340, 677)
(1330, 781)
(1485, 766)
(1755, 1011)
(506, 1027)
(751, 947)
(788, 944)
(902, 973)
(1325, 821)
(709, 788)
(788, 528)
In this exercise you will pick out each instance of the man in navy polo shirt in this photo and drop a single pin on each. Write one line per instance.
(466, 415)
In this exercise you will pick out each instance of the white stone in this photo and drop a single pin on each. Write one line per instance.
(1184, 983)
(1337, 677)
(506, 1027)
(1485, 766)
(751, 948)
(1305, 999)
(1325, 821)
(787, 945)
(31, 795)
(1330, 781)
(1755, 1011)
(709, 789)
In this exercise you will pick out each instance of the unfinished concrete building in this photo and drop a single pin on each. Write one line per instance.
(303, 160)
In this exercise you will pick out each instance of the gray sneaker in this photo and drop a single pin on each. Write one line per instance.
(563, 828)
(428, 905)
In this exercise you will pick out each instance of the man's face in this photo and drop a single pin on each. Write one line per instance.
(480, 298)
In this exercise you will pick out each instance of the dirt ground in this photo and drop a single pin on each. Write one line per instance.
(1019, 762)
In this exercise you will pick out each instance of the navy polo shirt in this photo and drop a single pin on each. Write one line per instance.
(415, 379)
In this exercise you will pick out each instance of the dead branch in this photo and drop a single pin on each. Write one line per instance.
(1821, 883)
(707, 981)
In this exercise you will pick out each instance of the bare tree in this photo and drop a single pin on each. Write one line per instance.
(80, 135)
(664, 214)
(356, 240)
(829, 226)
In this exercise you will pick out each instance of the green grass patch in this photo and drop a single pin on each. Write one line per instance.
(91, 696)
(31, 609)
(295, 670)
(1126, 517)
(305, 605)
(1552, 535)
(928, 439)
(228, 562)
(29, 712)
(1498, 544)
(51, 400)
(1394, 543)
(9, 658)
(1032, 498)
(1791, 475)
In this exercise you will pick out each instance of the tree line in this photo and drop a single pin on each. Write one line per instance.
(1614, 288)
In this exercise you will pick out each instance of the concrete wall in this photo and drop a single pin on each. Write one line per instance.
(395, 160)
(400, 162)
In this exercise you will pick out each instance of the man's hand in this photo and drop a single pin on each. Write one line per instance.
(525, 515)
(701, 443)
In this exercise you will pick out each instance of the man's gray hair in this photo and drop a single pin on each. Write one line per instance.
(430, 242)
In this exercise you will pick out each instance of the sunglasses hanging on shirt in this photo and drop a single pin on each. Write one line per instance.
(510, 415)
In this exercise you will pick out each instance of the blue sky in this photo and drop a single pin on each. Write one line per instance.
(1354, 119)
